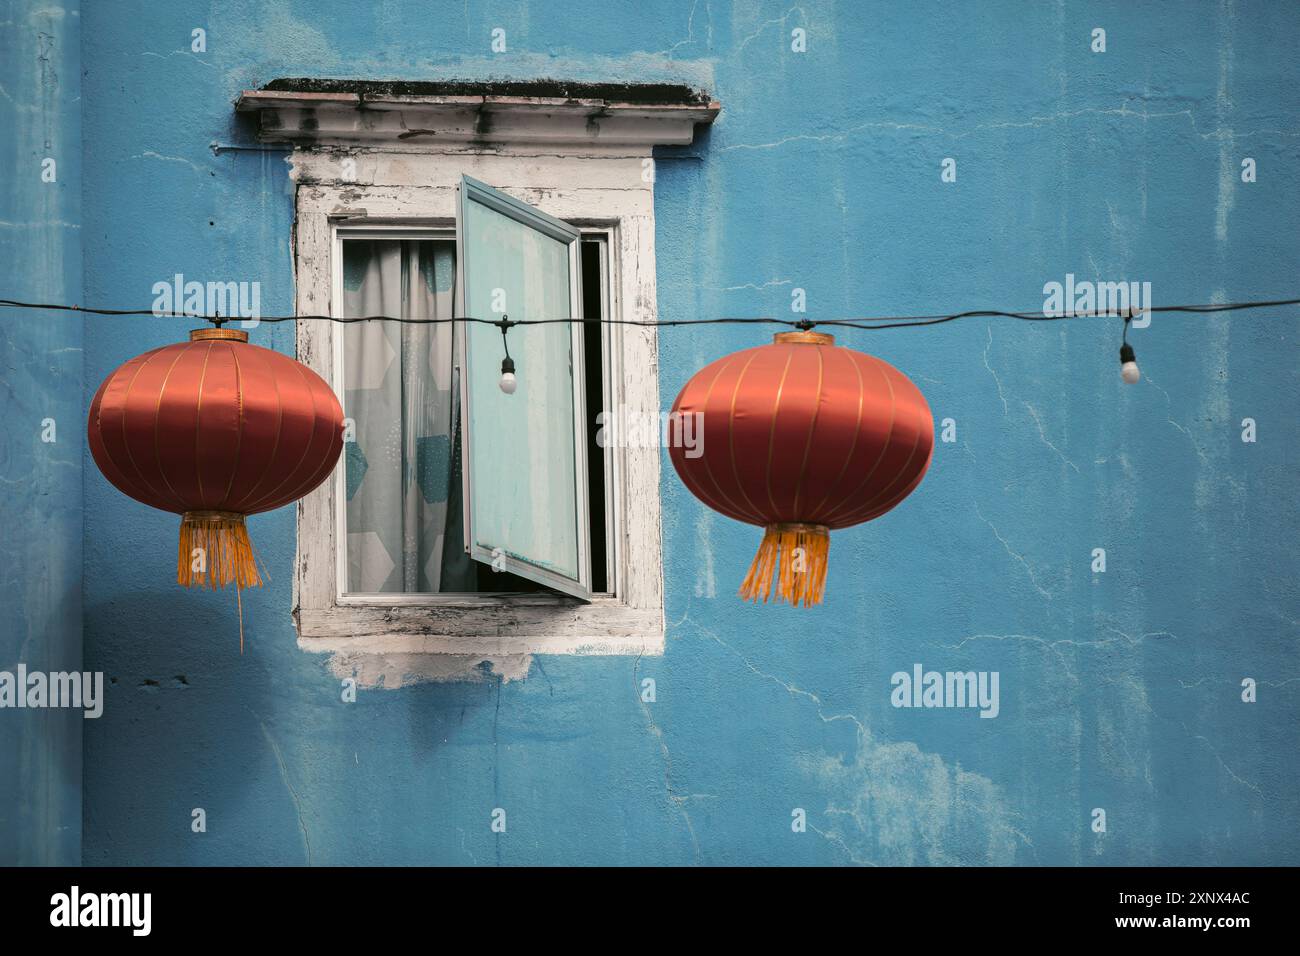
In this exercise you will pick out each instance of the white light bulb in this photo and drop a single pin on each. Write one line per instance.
(1128, 365)
(507, 382)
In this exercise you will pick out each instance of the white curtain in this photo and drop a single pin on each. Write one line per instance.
(404, 520)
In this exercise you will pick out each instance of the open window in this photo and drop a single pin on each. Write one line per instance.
(524, 472)
(452, 486)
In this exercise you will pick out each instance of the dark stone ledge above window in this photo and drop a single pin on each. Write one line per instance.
(330, 111)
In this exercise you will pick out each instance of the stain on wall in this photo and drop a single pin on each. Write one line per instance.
(1119, 690)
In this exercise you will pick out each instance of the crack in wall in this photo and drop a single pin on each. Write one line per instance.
(293, 794)
(767, 23)
(1033, 578)
(1048, 119)
(677, 800)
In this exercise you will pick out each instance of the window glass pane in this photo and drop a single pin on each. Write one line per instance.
(525, 491)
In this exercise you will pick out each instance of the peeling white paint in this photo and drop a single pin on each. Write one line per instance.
(909, 807)
(1222, 106)
(391, 671)
(897, 802)
(706, 584)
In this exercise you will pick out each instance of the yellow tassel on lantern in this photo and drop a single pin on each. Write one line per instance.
(796, 554)
(215, 551)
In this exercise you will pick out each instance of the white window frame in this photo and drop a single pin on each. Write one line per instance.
(601, 193)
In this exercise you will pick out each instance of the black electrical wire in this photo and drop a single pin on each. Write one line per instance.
(877, 322)
(900, 322)
(349, 320)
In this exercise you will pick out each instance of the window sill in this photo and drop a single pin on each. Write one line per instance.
(478, 626)
(483, 599)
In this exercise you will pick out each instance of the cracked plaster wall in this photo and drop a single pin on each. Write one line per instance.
(1119, 690)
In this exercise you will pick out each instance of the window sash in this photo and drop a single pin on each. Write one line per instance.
(445, 230)
(481, 354)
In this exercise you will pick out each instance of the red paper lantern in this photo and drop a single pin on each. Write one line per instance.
(801, 437)
(215, 429)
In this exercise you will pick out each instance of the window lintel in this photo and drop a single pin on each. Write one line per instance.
(517, 112)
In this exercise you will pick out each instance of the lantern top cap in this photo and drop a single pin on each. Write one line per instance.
(803, 337)
(228, 335)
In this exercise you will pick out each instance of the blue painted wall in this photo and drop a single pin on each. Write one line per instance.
(42, 424)
(1119, 691)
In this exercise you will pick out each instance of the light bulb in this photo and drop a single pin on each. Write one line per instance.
(1128, 367)
(508, 383)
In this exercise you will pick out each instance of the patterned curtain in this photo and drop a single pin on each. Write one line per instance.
(404, 521)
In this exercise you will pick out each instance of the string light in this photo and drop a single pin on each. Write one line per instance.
(879, 322)
(508, 382)
(1128, 366)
